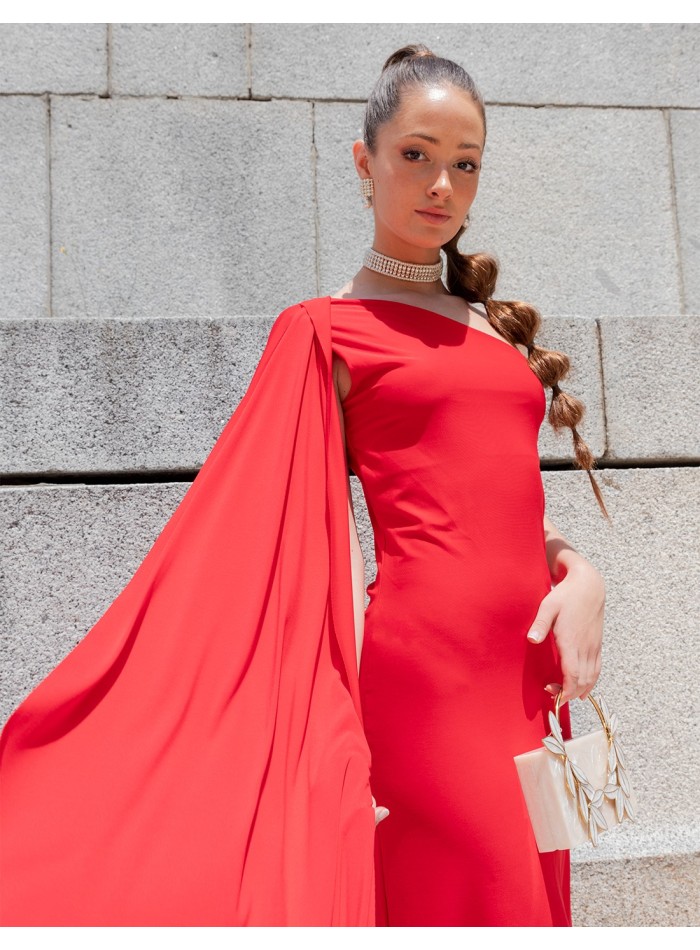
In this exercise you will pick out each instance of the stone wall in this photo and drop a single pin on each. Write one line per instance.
(168, 189)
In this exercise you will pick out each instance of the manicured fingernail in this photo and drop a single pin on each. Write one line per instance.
(535, 636)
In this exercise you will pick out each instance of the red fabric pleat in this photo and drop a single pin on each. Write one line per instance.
(199, 758)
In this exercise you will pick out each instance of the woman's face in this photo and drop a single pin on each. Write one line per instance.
(427, 156)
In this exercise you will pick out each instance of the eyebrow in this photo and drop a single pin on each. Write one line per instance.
(429, 138)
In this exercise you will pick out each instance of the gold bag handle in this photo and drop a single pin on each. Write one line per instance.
(594, 701)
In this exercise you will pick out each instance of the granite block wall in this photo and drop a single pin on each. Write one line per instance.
(167, 189)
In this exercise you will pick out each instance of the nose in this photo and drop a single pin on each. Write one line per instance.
(442, 187)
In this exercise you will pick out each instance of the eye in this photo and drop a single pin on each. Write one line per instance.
(471, 166)
(412, 151)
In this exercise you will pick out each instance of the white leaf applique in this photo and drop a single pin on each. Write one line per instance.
(629, 809)
(593, 830)
(582, 803)
(619, 805)
(555, 728)
(624, 781)
(569, 775)
(621, 758)
(554, 745)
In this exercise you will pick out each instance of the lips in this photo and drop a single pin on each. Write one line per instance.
(433, 215)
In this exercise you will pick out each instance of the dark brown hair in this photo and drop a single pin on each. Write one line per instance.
(473, 276)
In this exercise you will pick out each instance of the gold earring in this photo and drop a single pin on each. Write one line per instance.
(367, 190)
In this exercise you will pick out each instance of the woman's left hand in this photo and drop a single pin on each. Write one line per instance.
(573, 611)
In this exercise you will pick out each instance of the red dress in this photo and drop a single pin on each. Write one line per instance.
(203, 756)
(442, 425)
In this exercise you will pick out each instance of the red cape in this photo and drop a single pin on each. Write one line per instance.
(199, 758)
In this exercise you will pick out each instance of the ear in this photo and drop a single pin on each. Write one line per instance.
(361, 158)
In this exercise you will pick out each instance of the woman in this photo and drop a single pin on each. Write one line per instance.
(442, 405)
(208, 753)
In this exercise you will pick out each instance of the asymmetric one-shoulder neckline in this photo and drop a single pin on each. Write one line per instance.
(435, 313)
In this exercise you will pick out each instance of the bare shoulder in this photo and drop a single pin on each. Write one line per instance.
(347, 290)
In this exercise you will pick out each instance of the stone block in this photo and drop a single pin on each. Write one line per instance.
(24, 207)
(346, 227)
(652, 387)
(685, 137)
(567, 204)
(622, 64)
(53, 57)
(101, 396)
(166, 208)
(179, 59)
(577, 337)
(68, 551)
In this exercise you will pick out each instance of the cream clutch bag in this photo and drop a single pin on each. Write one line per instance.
(576, 788)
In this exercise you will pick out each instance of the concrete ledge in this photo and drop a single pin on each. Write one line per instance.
(132, 395)
(626, 64)
(121, 395)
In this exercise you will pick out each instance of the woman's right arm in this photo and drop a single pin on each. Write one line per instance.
(341, 380)
(357, 562)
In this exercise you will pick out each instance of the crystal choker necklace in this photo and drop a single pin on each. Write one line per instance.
(401, 269)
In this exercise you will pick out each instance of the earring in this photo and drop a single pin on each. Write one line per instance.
(467, 222)
(367, 190)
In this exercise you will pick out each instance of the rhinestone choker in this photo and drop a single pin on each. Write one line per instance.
(401, 269)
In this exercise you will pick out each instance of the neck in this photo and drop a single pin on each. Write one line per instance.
(389, 245)
(380, 284)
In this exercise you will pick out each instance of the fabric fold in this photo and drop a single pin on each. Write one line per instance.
(199, 759)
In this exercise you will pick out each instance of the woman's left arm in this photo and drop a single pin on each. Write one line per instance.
(573, 611)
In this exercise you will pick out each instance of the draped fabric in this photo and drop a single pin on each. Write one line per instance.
(199, 758)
